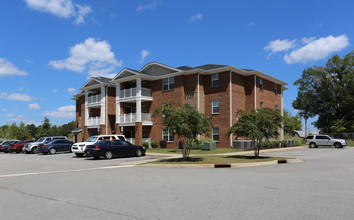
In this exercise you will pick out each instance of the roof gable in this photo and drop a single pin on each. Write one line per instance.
(158, 69)
(96, 81)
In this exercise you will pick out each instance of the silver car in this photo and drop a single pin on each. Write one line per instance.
(324, 140)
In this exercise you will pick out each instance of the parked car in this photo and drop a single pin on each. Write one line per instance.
(110, 149)
(324, 140)
(33, 146)
(54, 146)
(79, 148)
(4, 147)
(17, 147)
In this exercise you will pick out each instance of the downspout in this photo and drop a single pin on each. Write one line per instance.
(198, 95)
(106, 109)
(231, 106)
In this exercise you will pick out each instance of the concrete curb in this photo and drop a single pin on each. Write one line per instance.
(233, 165)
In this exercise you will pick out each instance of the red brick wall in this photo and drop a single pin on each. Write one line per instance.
(267, 95)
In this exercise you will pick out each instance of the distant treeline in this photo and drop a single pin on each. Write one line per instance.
(31, 131)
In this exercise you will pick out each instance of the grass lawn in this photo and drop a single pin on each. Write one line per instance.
(219, 160)
(178, 151)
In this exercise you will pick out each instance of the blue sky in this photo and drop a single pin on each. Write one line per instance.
(49, 48)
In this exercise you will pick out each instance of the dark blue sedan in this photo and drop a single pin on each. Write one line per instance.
(54, 146)
(110, 149)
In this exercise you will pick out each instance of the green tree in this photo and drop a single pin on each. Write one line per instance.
(45, 128)
(257, 125)
(338, 127)
(22, 132)
(328, 92)
(32, 129)
(185, 122)
(291, 123)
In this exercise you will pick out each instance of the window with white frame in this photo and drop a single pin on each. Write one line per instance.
(168, 83)
(275, 88)
(167, 135)
(216, 134)
(261, 84)
(215, 106)
(215, 80)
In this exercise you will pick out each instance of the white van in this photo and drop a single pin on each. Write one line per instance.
(79, 148)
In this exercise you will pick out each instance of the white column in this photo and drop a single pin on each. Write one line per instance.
(86, 108)
(117, 102)
(138, 101)
(231, 106)
(103, 106)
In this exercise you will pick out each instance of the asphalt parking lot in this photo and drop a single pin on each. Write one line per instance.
(321, 187)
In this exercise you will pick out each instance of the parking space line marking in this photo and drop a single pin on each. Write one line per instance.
(64, 171)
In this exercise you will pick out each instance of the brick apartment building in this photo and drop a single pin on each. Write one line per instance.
(124, 104)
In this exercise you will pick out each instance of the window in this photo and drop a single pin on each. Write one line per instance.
(145, 134)
(261, 84)
(167, 135)
(216, 134)
(261, 104)
(168, 83)
(215, 80)
(275, 88)
(215, 106)
(276, 106)
(144, 109)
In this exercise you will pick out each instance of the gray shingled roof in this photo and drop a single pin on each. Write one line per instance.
(210, 66)
(185, 68)
(102, 79)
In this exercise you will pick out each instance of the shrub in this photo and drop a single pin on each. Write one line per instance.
(154, 144)
(146, 145)
(284, 144)
(163, 144)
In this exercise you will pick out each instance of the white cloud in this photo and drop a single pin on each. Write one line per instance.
(3, 109)
(307, 40)
(9, 115)
(279, 45)
(317, 49)
(33, 106)
(150, 5)
(21, 116)
(196, 17)
(21, 89)
(8, 69)
(24, 119)
(61, 8)
(28, 61)
(71, 90)
(143, 55)
(62, 112)
(54, 90)
(92, 56)
(15, 97)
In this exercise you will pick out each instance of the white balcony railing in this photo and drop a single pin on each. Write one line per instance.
(132, 140)
(94, 99)
(130, 93)
(94, 121)
(132, 118)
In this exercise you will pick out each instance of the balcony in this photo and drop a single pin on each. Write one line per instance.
(132, 118)
(131, 93)
(93, 121)
(94, 99)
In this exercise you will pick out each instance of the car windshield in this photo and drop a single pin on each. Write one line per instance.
(92, 139)
(40, 139)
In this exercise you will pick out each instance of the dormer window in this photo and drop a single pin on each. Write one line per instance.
(168, 83)
(215, 80)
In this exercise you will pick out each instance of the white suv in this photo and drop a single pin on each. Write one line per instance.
(79, 148)
(324, 140)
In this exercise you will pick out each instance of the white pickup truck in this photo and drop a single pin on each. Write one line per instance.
(79, 148)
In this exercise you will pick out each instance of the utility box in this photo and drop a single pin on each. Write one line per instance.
(209, 146)
(243, 144)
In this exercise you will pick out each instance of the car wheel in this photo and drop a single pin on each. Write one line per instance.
(338, 145)
(108, 155)
(52, 151)
(17, 152)
(34, 150)
(79, 155)
(139, 153)
(313, 145)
